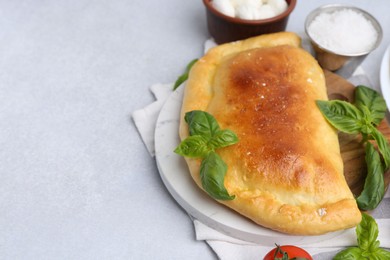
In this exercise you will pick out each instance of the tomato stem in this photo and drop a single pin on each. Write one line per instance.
(285, 255)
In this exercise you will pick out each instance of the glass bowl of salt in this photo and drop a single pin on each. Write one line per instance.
(342, 36)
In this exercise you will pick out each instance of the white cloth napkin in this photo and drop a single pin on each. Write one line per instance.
(227, 247)
(145, 119)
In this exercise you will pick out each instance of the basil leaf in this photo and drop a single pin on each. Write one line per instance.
(184, 76)
(342, 115)
(223, 138)
(201, 123)
(374, 185)
(193, 146)
(383, 145)
(367, 233)
(212, 174)
(351, 253)
(381, 254)
(365, 96)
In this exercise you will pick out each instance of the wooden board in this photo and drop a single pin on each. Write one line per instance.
(352, 151)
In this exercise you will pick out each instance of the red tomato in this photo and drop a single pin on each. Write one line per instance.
(287, 252)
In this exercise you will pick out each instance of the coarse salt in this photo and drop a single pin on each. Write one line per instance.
(345, 31)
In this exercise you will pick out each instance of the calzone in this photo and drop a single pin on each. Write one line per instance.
(286, 171)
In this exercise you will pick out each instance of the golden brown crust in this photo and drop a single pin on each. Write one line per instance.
(286, 171)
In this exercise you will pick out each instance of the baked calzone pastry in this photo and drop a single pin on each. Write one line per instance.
(286, 171)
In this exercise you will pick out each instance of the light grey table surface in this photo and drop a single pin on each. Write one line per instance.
(76, 181)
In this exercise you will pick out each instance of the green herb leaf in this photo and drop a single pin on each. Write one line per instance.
(351, 253)
(365, 96)
(184, 76)
(383, 146)
(212, 174)
(381, 254)
(194, 146)
(367, 233)
(368, 245)
(342, 115)
(201, 123)
(223, 138)
(374, 185)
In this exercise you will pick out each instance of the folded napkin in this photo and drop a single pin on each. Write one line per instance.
(227, 247)
(145, 119)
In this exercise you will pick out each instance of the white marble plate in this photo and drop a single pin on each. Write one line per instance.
(177, 179)
(385, 77)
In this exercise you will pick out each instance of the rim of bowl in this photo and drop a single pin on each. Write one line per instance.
(334, 7)
(231, 19)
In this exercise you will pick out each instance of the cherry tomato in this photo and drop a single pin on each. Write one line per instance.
(287, 252)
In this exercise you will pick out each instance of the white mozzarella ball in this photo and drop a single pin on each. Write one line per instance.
(279, 5)
(266, 11)
(237, 3)
(246, 12)
(249, 10)
(254, 3)
(224, 6)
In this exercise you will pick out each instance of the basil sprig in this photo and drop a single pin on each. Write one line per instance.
(363, 117)
(205, 137)
(367, 243)
(184, 76)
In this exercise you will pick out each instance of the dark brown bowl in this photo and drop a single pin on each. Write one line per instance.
(224, 28)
